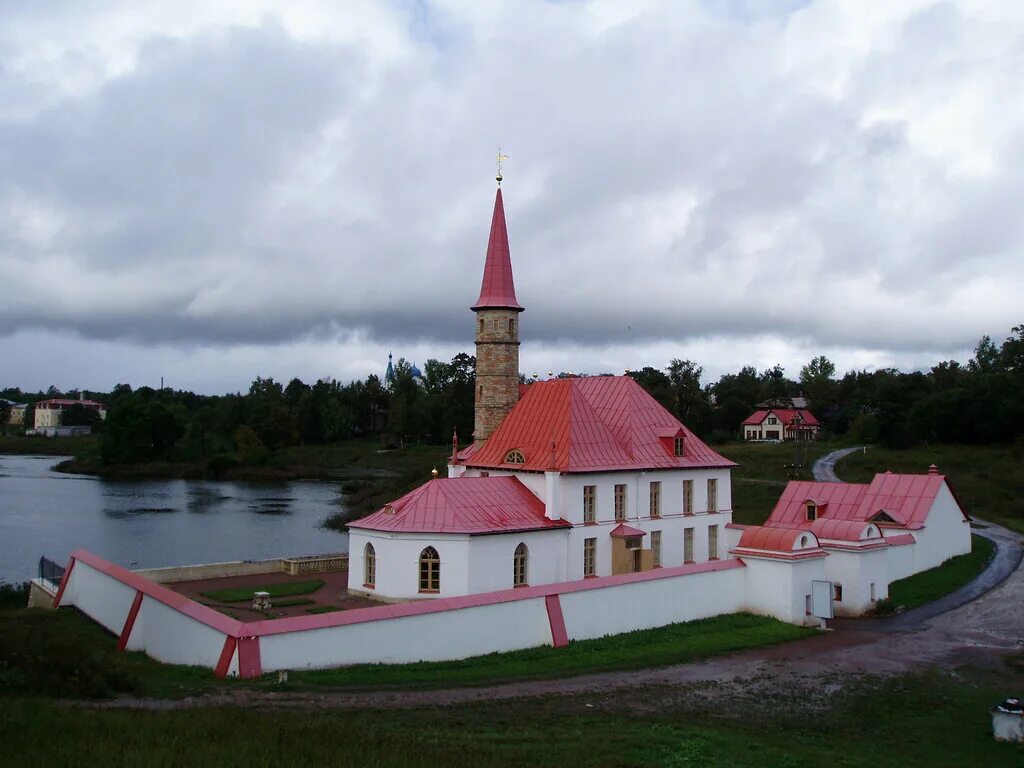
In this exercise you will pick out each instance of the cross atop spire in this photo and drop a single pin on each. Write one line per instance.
(498, 291)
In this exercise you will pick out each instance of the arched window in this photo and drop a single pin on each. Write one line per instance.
(520, 563)
(803, 542)
(369, 566)
(514, 457)
(430, 570)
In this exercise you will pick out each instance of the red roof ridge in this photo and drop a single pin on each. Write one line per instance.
(497, 289)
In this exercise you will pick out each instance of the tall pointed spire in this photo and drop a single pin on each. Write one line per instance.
(498, 291)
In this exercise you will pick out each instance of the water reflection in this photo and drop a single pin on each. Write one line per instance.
(136, 522)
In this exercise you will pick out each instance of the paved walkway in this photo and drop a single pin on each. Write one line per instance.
(824, 469)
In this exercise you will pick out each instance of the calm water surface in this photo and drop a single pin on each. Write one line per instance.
(152, 523)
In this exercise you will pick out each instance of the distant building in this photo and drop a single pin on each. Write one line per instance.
(48, 416)
(389, 374)
(16, 412)
(797, 402)
(781, 424)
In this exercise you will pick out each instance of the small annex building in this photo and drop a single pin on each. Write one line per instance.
(781, 424)
(872, 533)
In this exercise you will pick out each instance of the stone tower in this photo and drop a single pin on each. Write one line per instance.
(497, 333)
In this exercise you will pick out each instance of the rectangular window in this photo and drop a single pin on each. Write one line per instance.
(589, 557)
(688, 545)
(656, 548)
(656, 499)
(812, 511)
(712, 495)
(713, 542)
(679, 446)
(687, 497)
(620, 502)
(837, 592)
(589, 503)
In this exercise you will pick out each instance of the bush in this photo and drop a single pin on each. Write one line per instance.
(13, 595)
(885, 607)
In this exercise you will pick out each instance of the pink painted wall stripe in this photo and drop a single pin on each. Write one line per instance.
(249, 662)
(64, 582)
(226, 654)
(122, 641)
(559, 636)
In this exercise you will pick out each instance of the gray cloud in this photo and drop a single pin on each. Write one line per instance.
(834, 177)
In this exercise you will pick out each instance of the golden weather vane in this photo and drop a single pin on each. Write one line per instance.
(500, 158)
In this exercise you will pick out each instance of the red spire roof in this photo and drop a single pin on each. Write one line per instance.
(497, 291)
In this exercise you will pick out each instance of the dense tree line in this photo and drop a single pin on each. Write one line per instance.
(981, 401)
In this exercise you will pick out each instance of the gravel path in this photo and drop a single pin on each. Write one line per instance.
(824, 469)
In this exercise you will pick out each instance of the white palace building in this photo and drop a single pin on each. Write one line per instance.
(582, 508)
(587, 477)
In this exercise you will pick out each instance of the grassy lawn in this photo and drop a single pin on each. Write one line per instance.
(932, 720)
(758, 483)
(240, 594)
(938, 582)
(989, 479)
(323, 609)
(63, 653)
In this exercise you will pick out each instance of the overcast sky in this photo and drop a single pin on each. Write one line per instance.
(214, 191)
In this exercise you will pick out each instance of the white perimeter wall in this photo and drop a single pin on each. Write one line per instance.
(647, 604)
(174, 638)
(440, 636)
(161, 632)
(510, 625)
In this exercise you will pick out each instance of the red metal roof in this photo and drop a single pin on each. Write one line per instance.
(497, 291)
(598, 423)
(770, 539)
(905, 498)
(839, 530)
(623, 531)
(786, 416)
(470, 505)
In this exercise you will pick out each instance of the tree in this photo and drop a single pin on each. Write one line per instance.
(687, 395)
(77, 415)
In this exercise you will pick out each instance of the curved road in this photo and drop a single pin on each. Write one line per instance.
(824, 469)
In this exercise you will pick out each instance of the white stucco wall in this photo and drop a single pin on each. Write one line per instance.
(901, 561)
(647, 604)
(102, 598)
(440, 636)
(856, 571)
(945, 533)
(174, 638)
(778, 587)
(398, 563)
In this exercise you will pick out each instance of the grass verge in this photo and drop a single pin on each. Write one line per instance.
(239, 594)
(931, 719)
(926, 586)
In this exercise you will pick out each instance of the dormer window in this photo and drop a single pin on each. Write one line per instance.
(772, 420)
(678, 444)
(812, 511)
(514, 457)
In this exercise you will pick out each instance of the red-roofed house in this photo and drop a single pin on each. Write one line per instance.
(554, 468)
(873, 533)
(781, 424)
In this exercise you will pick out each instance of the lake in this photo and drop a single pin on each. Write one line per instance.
(153, 523)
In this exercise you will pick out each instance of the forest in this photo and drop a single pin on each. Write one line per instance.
(979, 401)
